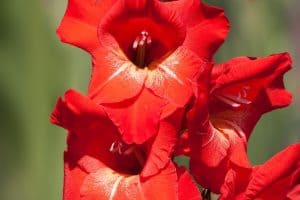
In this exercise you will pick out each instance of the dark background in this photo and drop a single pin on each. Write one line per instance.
(35, 68)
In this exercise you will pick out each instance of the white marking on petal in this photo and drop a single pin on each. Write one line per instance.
(122, 68)
(154, 79)
(116, 60)
(140, 189)
(170, 73)
(115, 187)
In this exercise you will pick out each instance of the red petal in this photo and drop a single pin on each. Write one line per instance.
(114, 78)
(276, 171)
(207, 27)
(176, 73)
(187, 187)
(106, 184)
(73, 179)
(294, 193)
(213, 143)
(163, 185)
(197, 117)
(74, 107)
(245, 88)
(137, 119)
(228, 188)
(163, 146)
(276, 179)
(209, 158)
(224, 146)
(235, 182)
(80, 22)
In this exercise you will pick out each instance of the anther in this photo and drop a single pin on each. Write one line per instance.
(125, 150)
(116, 147)
(140, 45)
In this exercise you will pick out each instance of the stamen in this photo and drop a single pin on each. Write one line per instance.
(124, 149)
(116, 147)
(112, 147)
(140, 45)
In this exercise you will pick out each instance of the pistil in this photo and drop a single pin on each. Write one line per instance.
(140, 45)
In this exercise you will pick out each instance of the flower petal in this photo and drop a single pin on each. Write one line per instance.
(107, 185)
(294, 193)
(273, 173)
(207, 26)
(212, 151)
(245, 88)
(74, 107)
(73, 179)
(176, 73)
(209, 157)
(187, 187)
(137, 119)
(234, 184)
(79, 24)
(163, 145)
(165, 181)
(114, 78)
(276, 179)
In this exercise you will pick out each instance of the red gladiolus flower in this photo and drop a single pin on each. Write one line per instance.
(277, 179)
(99, 165)
(144, 52)
(152, 79)
(242, 89)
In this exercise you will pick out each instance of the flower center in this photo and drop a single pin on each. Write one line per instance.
(131, 156)
(141, 46)
(142, 39)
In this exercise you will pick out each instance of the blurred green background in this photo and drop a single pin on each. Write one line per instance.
(36, 68)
